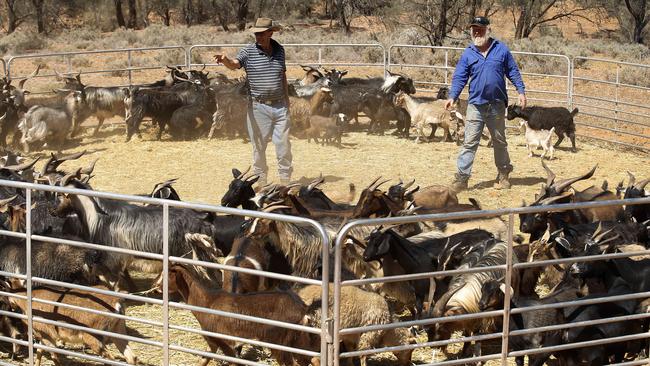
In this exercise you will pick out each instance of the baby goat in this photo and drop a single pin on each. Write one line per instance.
(328, 129)
(538, 138)
(544, 118)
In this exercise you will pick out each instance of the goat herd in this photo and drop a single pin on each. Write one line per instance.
(191, 104)
(295, 249)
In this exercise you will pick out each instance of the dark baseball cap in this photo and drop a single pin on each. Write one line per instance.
(480, 21)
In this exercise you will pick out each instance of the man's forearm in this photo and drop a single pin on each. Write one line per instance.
(231, 64)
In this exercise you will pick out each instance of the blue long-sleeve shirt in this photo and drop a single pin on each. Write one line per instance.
(486, 74)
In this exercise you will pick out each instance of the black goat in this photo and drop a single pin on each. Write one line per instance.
(417, 258)
(240, 191)
(545, 118)
(492, 298)
(639, 213)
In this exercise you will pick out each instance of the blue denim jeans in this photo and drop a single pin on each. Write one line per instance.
(270, 123)
(491, 115)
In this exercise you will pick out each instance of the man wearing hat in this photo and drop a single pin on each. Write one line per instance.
(485, 63)
(268, 108)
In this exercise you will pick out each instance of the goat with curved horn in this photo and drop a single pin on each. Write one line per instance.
(68, 177)
(374, 181)
(409, 184)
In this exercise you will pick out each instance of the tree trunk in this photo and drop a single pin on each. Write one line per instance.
(638, 13)
(340, 7)
(11, 16)
(40, 22)
(133, 17)
(260, 10)
(166, 17)
(519, 26)
(242, 14)
(118, 13)
(441, 32)
(188, 12)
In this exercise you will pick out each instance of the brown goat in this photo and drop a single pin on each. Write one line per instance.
(246, 253)
(361, 308)
(281, 306)
(434, 197)
(50, 334)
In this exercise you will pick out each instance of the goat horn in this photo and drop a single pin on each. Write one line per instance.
(408, 185)
(600, 237)
(379, 184)
(598, 230)
(632, 179)
(20, 167)
(66, 179)
(89, 169)
(316, 182)
(549, 173)
(274, 207)
(21, 84)
(72, 156)
(567, 182)
(373, 182)
(410, 192)
(551, 200)
(244, 173)
(442, 302)
(641, 185)
(6, 201)
(609, 240)
(251, 177)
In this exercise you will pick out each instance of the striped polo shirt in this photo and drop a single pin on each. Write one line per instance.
(264, 73)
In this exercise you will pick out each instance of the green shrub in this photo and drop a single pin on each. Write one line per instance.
(20, 42)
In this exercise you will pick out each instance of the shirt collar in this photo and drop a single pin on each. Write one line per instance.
(492, 45)
(275, 47)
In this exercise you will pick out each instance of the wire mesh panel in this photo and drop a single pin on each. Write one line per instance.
(612, 99)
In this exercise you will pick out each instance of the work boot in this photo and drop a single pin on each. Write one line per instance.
(503, 182)
(459, 183)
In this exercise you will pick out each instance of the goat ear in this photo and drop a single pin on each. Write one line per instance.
(235, 173)
(503, 289)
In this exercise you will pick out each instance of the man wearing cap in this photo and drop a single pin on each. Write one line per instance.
(484, 63)
(268, 108)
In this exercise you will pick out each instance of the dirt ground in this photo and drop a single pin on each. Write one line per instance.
(203, 168)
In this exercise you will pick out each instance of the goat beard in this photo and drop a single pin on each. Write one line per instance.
(483, 40)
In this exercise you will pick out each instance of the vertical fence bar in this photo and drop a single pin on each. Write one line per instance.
(128, 56)
(326, 338)
(616, 91)
(165, 291)
(446, 66)
(506, 300)
(68, 62)
(28, 273)
(337, 293)
(320, 57)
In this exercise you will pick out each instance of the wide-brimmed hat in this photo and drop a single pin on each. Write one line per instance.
(479, 22)
(263, 24)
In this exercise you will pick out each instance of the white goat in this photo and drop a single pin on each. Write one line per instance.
(538, 138)
(47, 124)
(433, 113)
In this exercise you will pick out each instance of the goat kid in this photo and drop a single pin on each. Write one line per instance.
(537, 139)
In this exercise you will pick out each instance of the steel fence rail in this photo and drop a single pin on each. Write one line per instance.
(215, 356)
(633, 146)
(127, 51)
(166, 258)
(612, 130)
(508, 267)
(82, 356)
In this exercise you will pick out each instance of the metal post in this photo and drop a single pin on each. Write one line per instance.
(28, 273)
(618, 80)
(326, 337)
(337, 293)
(569, 83)
(128, 54)
(320, 57)
(165, 291)
(68, 61)
(506, 300)
(446, 66)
